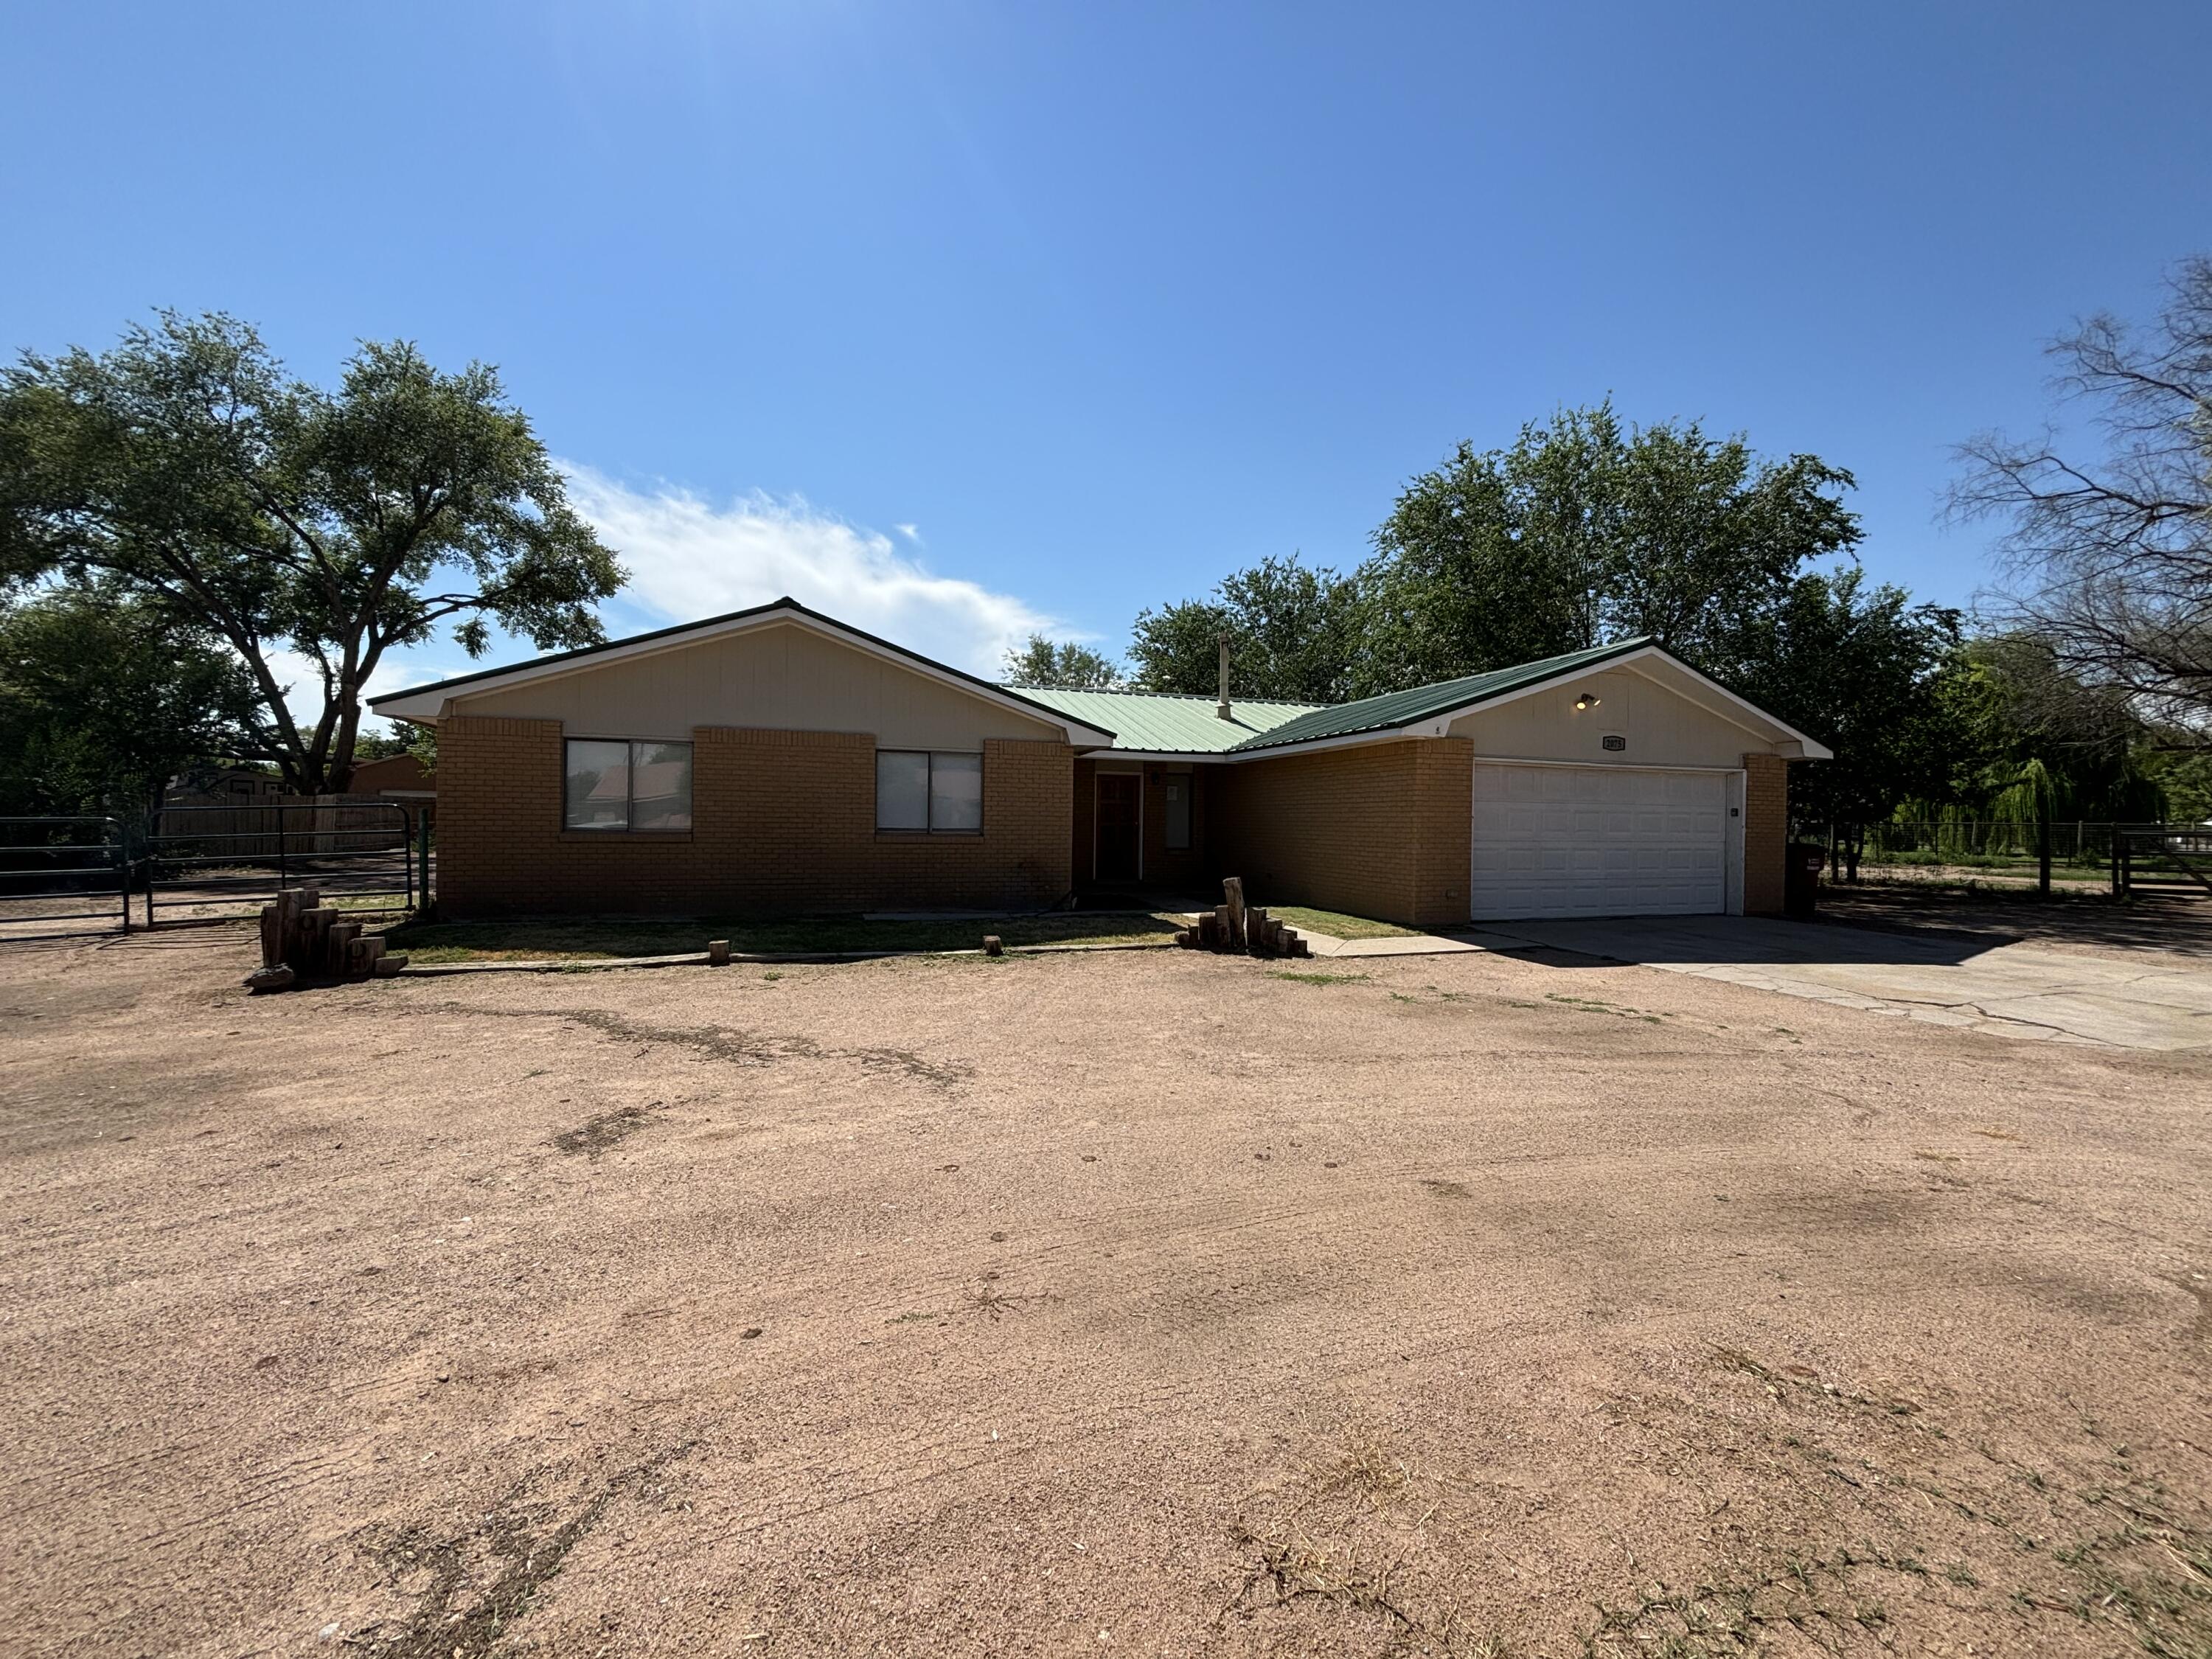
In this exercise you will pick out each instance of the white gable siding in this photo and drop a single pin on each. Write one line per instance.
(1660, 726)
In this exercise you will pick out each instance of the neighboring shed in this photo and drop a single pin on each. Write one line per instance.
(403, 777)
(401, 780)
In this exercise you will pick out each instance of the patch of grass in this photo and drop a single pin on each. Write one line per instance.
(1318, 979)
(1432, 993)
(1336, 924)
(1591, 1005)
(612, 938)
(483, 1580)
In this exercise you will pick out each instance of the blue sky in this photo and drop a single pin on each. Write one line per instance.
(960, 317)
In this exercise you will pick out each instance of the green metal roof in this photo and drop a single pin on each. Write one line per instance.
(1395, 708)
(1154, 722)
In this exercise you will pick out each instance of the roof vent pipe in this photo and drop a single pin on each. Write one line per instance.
(1221, 710)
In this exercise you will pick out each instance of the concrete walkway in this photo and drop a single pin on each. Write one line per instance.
(2155, 1002)
(1407, 944)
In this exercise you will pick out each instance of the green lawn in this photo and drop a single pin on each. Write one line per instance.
(601, 939)
(1336, 924)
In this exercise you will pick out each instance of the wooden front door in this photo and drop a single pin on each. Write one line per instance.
(1119, 798)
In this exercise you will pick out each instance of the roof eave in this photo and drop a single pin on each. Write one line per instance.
(1434, 723)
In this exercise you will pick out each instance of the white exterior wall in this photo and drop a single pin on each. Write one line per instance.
(779, 677)
(1661, 725)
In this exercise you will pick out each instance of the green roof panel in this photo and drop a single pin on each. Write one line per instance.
(1152, 722)
(1395, 708)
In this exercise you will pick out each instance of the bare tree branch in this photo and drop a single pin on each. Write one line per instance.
(2109, 562)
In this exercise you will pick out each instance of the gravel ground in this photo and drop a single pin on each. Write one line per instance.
(1137, 1302)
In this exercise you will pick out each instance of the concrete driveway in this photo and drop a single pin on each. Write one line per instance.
(2156, 1001)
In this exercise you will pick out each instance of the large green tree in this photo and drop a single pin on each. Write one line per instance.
(104, 698)
(1585, 529)
(1061, 665)
(1864, 670)
(187, 470)
(1290, 628)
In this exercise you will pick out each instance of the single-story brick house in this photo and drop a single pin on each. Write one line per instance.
(775, 760)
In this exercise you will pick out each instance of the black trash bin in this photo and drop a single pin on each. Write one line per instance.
(1801, 887)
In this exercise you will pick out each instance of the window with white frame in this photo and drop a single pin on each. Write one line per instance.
(934, 791)
(625, 783)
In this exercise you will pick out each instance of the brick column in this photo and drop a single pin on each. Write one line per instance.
(498, 812)
(1444, 828)
(1766, 833)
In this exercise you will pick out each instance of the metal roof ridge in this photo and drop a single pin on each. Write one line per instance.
(1491, 680)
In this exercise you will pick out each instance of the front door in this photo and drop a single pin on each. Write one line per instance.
(1118, 818)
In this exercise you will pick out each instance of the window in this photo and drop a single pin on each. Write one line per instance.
(621, 784)
(938, 791)
(1178, 806)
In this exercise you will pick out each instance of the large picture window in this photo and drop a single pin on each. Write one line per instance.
(936, 791)
(614, 783)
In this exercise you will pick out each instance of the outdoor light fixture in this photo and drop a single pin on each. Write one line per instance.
(1586, 701)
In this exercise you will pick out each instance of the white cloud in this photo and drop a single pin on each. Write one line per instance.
(440, 659)
(912, 532)
(689, 558)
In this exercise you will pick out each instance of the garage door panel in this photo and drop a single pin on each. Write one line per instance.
(1556, 840)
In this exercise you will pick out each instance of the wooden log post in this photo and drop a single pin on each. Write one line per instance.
(338, 948)
(1232, 894)
(301, 941)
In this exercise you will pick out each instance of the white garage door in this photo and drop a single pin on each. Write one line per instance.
(1579, 841)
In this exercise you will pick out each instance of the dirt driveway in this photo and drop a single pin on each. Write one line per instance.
(1137, 1302)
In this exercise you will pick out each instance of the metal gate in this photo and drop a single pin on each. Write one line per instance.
(58, 874)
(215, 863)
(2173, 858)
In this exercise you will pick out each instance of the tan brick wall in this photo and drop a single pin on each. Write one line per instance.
(1377, 830)
(1766, 833)
(783, 823)
(1444, 827)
